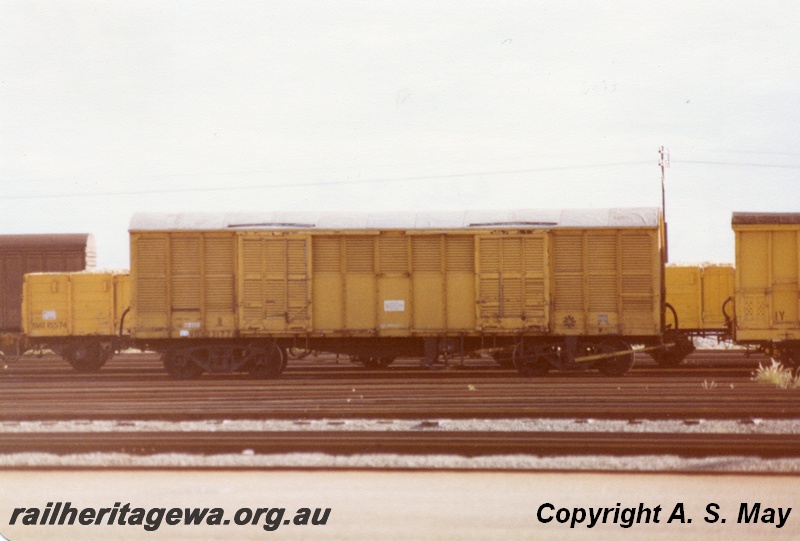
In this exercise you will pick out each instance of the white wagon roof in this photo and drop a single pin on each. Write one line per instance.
(470, 219)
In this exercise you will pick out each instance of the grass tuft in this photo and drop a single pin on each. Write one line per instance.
(778, 375)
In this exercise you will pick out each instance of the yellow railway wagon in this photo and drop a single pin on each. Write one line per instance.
(81, 315)
(698, 296)
(767, 276)
(220, 292)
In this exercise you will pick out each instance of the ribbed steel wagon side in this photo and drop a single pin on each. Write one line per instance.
(568, 289)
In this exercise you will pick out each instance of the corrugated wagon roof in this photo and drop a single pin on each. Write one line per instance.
(763, 218)
(516, 219)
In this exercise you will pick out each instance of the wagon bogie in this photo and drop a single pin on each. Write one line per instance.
(619, 357)
(266, 361)
(86, 355)
(535, 360)
(374, 361)
(180, 364)
(612, 356)
(186, 361)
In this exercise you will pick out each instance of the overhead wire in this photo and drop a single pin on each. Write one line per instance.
(319, 184)
(349, 181)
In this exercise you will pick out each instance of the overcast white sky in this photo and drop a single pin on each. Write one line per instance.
(108, 108)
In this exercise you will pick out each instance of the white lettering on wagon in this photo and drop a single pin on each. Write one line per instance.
(394, 306)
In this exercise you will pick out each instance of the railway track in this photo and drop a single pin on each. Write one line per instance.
(469, 444)
(710, 386)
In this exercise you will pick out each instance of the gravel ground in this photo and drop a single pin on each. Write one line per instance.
(249, 459)
(410, 462)
(743, 426)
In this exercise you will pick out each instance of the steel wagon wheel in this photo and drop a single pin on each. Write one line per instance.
(86, 356)
(619, 364)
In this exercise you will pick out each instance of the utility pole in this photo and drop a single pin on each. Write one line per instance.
(663, 162)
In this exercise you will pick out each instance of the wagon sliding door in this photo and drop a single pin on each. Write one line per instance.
(513, 277)
(273, 283)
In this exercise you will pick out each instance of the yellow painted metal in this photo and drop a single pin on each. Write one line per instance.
(685, 295)
(460, 283)
(74, 304)
(698, 294)
(393, 283)
(718, 288)
(273, 282)
(606, 281)
(418, 282)
(122, 304)
(182, 284)
(327, 286)
(767, 282)
(150, 285)
(513, 273)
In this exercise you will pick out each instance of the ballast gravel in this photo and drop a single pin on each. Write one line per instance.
(247, 460)
(686, 426)
(250, 459)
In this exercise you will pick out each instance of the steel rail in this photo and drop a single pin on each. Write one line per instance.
(137, 388)
(407, 442)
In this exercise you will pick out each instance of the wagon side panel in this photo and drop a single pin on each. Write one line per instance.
(429, 283)
(642, 269)
(360, 285)
(394, 284)
(685, 295)
(767, 284)
(607, 281)
(461, 303)
(92, 304)
(150, 285)
(327, 285)
(47, 310)
(718, 287)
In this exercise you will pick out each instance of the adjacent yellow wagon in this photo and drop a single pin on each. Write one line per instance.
(767, 282)
(80, 315)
